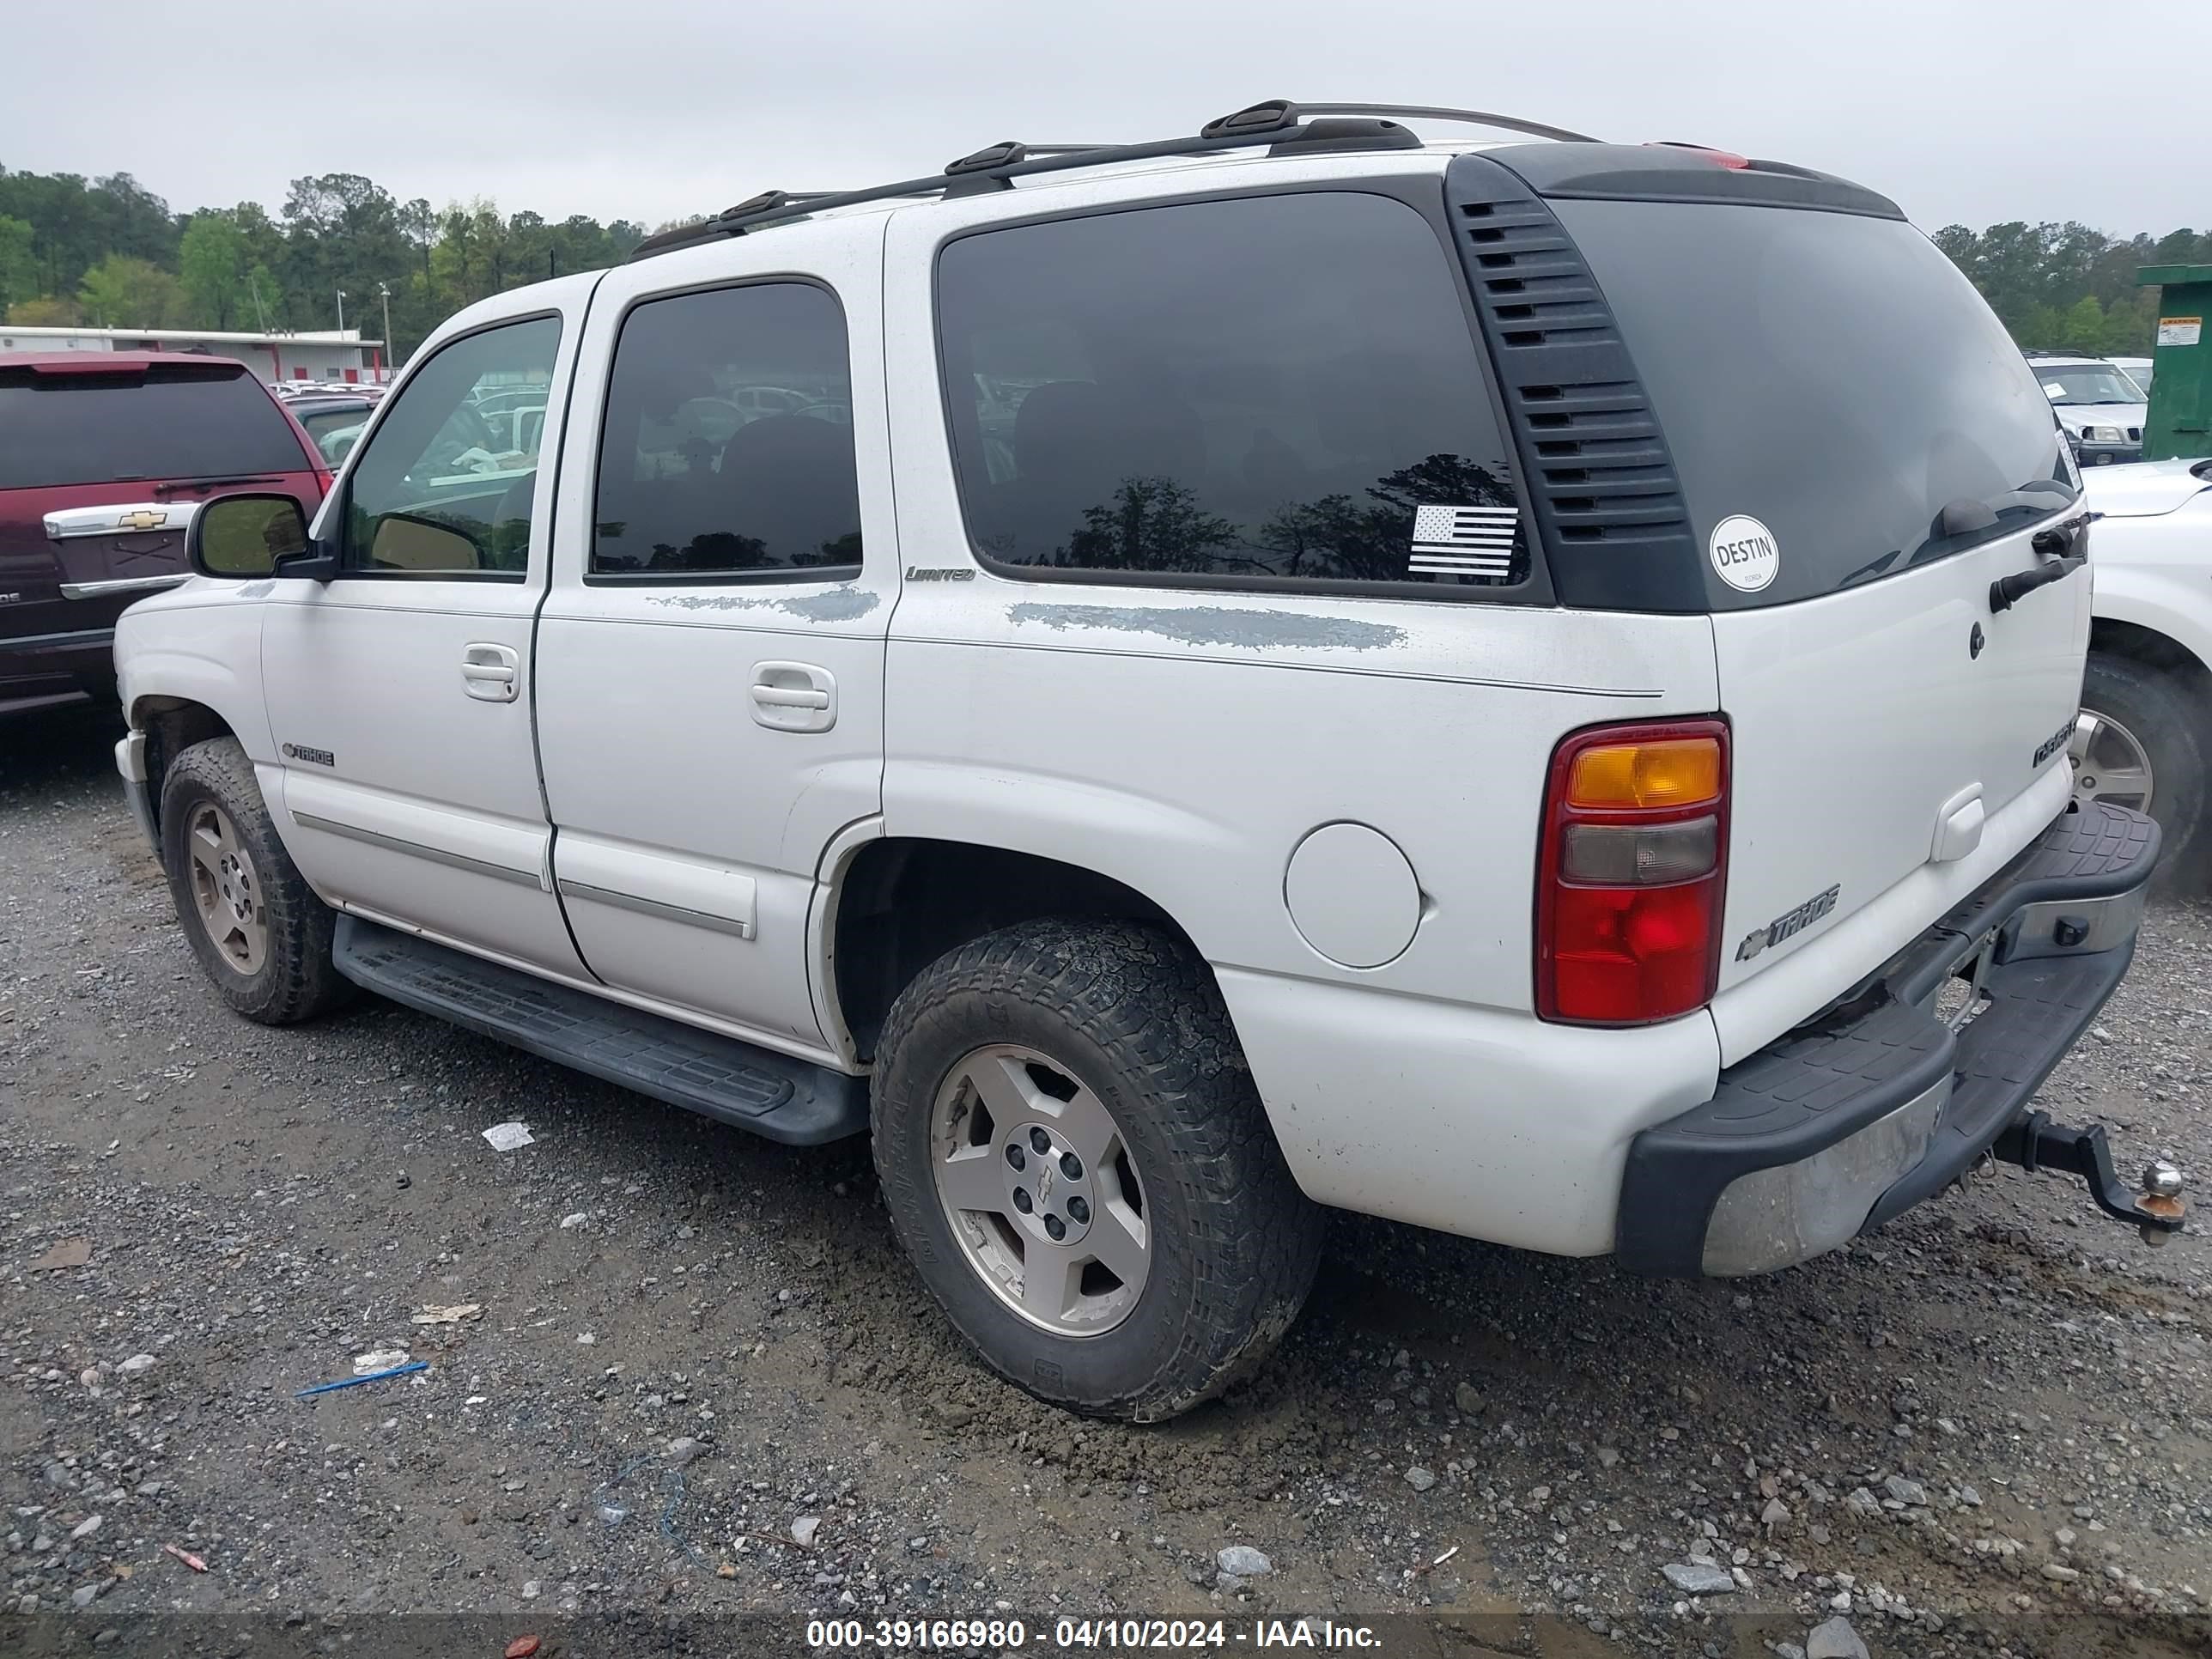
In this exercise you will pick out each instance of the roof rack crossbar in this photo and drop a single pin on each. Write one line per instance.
(1259, 124)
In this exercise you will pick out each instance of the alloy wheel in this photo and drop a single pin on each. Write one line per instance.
(1039, 1189)
(226, 892)
(2110, 762)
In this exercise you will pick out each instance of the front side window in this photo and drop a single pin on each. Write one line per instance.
(445, 487)
(728, 444)
(1235, 391)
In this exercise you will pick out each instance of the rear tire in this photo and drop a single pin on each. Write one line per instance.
(1090, 1068)
(257, 927)
(2160, 716)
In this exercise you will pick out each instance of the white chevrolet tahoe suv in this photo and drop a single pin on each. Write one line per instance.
(1522, 689)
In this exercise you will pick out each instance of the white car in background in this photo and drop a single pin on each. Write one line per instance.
(2144, 739)
(2136, 368)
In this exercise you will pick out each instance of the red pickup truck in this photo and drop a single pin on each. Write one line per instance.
(104, 459)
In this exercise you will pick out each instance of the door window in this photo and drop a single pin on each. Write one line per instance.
(728, 444)
(445, 485)
(1244, 393)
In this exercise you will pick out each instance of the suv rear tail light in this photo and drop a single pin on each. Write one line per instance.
(1630, 878)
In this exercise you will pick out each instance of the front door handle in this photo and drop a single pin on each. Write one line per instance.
(794, 696)
(491, 673)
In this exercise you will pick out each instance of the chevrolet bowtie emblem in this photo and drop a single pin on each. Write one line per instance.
(141, 519)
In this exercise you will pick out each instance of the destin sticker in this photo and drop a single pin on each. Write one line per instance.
(1743, 550)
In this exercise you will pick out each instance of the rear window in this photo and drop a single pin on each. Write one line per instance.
(1830, 376)
(170, 423)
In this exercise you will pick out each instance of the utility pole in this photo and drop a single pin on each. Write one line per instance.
(341, 311)
(260, 320)
(384, 292)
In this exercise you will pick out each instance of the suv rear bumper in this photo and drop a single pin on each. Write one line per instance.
(1836, 1128)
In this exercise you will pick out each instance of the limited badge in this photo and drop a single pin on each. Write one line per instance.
(1742, 550)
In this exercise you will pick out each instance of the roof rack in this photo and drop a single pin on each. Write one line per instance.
(1278, 124)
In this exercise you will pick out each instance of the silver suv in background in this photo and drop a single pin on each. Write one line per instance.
(2102, 409)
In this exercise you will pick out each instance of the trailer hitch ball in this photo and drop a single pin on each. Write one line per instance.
(2161, 1196)
(2036, 1144)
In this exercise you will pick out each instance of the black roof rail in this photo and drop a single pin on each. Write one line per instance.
(1277, 122)
(1471, 117)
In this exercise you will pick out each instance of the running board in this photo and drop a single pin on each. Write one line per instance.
(793, 1101)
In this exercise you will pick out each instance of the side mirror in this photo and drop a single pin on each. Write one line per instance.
(242, 536)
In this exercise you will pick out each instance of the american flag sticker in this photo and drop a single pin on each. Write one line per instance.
(1463, 541)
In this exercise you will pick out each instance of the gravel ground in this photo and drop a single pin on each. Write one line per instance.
(1988, 1429)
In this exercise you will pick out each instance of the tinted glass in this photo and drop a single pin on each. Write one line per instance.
(1265, 388)
(1833, 376)
(172, 422)
(728, 444)
(445, 486)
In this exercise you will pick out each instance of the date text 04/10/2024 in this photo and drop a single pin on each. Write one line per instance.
(1077, 1635)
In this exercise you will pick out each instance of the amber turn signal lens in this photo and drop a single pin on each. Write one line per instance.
(1623, 777)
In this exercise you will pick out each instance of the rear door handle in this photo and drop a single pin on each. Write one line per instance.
(794, 696)
(491, 673)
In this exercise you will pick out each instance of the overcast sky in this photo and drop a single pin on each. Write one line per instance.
(1968, 110)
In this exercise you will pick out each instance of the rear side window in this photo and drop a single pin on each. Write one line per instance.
(728, 444)
(1830, 376)
(1226, 393)
(166, 422)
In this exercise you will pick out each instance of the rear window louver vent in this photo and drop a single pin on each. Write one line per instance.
(1600, 481)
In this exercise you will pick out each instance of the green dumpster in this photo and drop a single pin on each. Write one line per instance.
(2179, 424)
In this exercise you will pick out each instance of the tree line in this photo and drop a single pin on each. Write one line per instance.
(109, 253)
(2067, 287)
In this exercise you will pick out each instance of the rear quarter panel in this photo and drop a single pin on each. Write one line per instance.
(1185, 742)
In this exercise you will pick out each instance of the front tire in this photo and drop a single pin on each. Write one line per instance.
(1075, 1158)
(2144, 736)
(258, 930)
